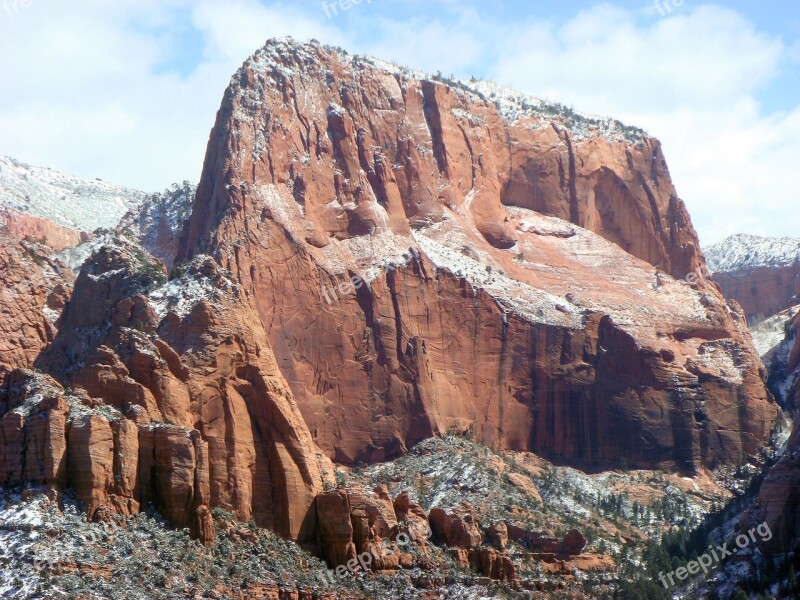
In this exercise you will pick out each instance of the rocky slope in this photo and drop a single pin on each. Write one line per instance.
(427, 256)
(157, 223)
(527, 545)
(34, 290)
(67, 201)
(761, 274)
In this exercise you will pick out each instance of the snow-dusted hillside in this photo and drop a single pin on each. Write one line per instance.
(156, 224)
(743, 252)
(770, 336)
(76, 203)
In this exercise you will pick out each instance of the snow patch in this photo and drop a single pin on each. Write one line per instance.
(68, 201)
(744, 252)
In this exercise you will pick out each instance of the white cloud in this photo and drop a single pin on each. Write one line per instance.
(89, 90)
(83, 89)
(691, 80)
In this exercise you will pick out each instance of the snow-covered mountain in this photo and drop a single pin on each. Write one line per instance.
(69, 201)
(743, 252)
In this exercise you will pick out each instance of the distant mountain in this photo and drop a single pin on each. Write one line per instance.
(760, 273)
(742, 252)
(68, 201)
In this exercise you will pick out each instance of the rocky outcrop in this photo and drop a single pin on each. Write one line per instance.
(335, 527)
(32, 294)
(572, 544)
(20, 226)
(361, 529)
(184, 404)
(428, 256)
(459, 530)
(156, 224)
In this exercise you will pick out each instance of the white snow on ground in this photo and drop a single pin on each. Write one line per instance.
(743, 252)
(69, 201)
(769, 335)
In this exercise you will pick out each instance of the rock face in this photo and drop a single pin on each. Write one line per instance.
(426, 257)
(156, 224)
(761, 274)
(33, 287)
(188, 408)
(778, 502)
(21, 226)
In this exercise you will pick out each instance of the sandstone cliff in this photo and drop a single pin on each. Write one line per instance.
(427, 256)
(21, 226)
(183, 403)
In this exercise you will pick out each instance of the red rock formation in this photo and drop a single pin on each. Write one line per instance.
(21, 226)
(402, 257)
(384, 228)
(185, 407)
(491, 563)
(412, 518)
(31, 283)
(335, 527)
(572, 544)
(458, 530)
(359, 529)
(762, 292)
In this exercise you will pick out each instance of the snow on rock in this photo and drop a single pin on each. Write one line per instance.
(193, 286)
(743, 252)
(75, 257)
(271, 60)
(69, 201)
(535, 305)
(769, 336)
(170, 208)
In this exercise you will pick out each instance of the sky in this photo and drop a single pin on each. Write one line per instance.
(127, 90)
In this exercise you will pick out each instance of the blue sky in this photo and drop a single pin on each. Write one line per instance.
(127, 90)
